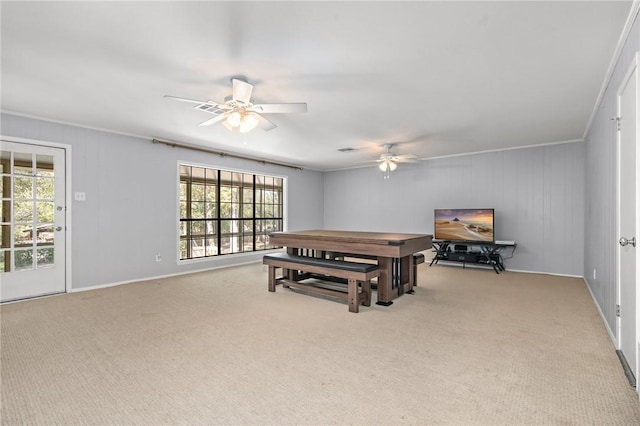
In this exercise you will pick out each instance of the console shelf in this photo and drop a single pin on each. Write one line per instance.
(475, 252)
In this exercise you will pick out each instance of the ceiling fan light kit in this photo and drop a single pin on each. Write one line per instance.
(238, 110)
(387, 166)
(389, 161)
(242, 120)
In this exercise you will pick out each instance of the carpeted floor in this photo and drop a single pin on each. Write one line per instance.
(469, 347)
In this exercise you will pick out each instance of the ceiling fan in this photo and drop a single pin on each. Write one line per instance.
(388, 161)
(238, 110)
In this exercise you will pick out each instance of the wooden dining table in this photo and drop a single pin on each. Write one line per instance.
(393, 252)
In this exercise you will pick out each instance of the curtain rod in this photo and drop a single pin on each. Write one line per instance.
(225, 154)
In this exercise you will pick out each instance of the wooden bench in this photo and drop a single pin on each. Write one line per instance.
(417, 259)
(358, 276)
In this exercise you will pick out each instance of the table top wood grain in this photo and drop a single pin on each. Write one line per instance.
(353, 236)
(382, 244)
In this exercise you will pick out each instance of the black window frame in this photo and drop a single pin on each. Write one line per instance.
(223, 211)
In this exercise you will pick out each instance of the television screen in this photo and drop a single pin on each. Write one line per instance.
(468, 225)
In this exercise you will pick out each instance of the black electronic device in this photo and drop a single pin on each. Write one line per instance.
(459, 256)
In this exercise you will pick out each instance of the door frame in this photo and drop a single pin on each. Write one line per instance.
(630, 72)
(68, 287)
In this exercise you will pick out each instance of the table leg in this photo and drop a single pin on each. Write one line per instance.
(290, 273)
(408, 269)
(384, 281)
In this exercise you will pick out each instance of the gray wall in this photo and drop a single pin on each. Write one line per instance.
(601, 217)
(130, 210)
(537, 194)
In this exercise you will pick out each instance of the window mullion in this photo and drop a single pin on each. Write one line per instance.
(218, 213)
(188, 214)
(253, 214)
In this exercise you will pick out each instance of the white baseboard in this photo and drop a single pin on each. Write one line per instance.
(555, 274)
(488, 267)
(604, 320)
(157, 277)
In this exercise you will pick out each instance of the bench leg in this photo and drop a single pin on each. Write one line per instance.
(359, 297)
(366, 292)
(272, 278)
(354, 297)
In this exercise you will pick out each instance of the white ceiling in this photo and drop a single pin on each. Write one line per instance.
(439, 78)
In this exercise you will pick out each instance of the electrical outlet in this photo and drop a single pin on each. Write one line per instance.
(80, 196)
(158, 257)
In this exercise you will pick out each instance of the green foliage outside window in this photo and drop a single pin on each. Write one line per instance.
(27, 211)
(223, 212)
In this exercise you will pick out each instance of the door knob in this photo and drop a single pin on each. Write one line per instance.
(59, 228)
(623, 241)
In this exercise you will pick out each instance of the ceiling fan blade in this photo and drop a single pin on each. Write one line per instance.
(215, 119)
(280, 108)
(193, 101)
(265, 124)
(241, 91)
(207, 106)
(404, 157)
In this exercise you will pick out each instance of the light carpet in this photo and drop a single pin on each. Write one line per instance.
(469, 347)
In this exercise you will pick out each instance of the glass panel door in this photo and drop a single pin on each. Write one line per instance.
(32, 227)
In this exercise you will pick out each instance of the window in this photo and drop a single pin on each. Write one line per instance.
(225, 212)
(26, 211)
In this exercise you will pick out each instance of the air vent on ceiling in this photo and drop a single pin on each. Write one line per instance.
(210, 108)
(346, 149)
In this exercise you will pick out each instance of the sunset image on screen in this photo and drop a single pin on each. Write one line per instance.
(464, 224)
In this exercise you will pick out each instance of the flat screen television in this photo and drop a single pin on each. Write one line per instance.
(464, 225)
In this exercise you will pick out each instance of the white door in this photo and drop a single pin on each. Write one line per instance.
(32, 231)
(627, 291)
